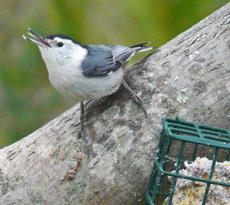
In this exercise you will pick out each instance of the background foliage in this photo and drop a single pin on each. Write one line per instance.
(27, 100)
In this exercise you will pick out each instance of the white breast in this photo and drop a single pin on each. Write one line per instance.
(97, 87)
(66, 76)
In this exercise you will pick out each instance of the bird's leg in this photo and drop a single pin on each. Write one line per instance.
(134, 96)
(82, 118)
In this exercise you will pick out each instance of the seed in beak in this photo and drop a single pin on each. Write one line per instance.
(36, 38)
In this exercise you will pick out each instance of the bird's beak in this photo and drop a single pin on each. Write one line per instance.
(36, 38)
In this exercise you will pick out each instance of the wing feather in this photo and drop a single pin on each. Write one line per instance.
(101, 60)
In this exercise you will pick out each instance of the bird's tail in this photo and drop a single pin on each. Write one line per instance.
(142, 47)
(124, 54)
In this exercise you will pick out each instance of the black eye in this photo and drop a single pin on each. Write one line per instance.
(60, 44)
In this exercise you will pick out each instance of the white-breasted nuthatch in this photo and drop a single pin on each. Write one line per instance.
(85, 72)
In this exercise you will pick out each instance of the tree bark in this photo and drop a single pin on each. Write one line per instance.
(188, 77)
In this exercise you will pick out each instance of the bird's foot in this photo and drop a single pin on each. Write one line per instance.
(134, 96)
(82, 120)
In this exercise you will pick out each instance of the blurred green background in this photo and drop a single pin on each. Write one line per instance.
(27, 101)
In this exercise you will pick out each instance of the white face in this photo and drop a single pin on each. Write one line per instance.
(62, 52)
(62, 57)
(58, 51)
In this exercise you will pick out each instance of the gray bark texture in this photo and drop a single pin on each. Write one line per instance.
(188, 77)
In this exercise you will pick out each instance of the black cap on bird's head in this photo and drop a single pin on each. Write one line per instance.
(44, 41)
(62, 36)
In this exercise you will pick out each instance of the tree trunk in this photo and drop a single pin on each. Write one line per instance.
(188, 77)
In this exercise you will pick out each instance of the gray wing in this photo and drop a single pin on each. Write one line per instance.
(101, 60)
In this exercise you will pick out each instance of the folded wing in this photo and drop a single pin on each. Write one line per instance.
(102, 60)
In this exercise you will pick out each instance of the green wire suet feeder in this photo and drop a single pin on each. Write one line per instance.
(182, 141)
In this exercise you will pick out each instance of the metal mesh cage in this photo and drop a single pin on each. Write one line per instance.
(185, 141)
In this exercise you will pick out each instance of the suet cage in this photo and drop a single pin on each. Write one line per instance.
(181, 142)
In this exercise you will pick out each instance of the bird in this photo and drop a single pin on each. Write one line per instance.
(85, 72)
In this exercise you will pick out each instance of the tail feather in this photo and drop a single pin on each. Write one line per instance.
(124, 54)
(142, 47)
(146, 48)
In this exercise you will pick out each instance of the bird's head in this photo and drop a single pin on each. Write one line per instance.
(57, 49)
